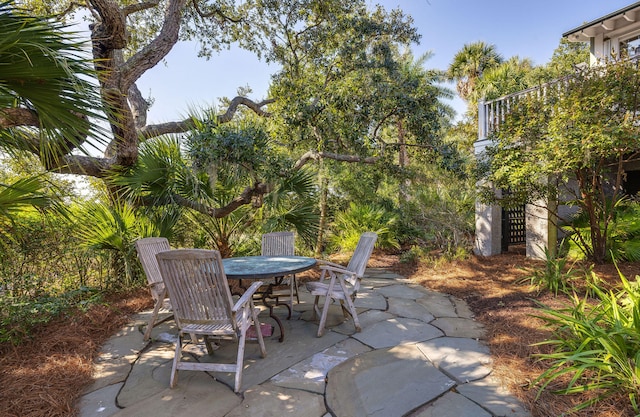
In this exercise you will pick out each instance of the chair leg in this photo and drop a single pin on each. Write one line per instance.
(240, 359)
(292, 284)
(315, 308)
(354, 313)
(323, 319)
(174, 369)
(345, 312)
(256, 325)
(207, 343)
(154, 317)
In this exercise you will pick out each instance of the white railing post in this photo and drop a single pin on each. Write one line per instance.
(482, 121)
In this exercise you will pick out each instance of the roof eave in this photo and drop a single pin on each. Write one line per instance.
(598, 21)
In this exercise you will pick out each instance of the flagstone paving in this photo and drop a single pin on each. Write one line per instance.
(419, 354)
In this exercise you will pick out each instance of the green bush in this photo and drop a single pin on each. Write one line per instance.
(623, 234)
(110, 231)
(554, 277)
(19, 316)
(596, 344)
(48, 258)
(357, 219)
(440, 217)
(413, 255)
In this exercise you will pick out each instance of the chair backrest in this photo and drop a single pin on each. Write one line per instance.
(147, 249)
(278, 243)
(361, 255)
(197, 286)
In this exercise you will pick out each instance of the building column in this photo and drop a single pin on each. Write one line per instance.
(488, 238)
(541, 229)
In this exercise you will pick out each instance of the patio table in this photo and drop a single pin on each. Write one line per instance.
(266, 267)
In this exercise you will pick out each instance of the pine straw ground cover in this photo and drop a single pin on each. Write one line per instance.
(46, 377)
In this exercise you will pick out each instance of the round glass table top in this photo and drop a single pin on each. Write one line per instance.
(257, 267)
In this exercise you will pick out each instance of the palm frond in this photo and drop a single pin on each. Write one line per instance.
(45, 69)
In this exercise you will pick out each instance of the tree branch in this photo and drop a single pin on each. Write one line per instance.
(138, 7)
(216, 12)
(157, 49)
(139, 106)
(152, 131)
(110, 33)
(80, 165)
(70, 8)
(233, 106)
(15, 116)
(248, 196)
(314, 155)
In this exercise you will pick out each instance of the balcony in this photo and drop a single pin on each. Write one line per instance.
(493, 112)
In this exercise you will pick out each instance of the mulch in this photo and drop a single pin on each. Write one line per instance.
(46, 375)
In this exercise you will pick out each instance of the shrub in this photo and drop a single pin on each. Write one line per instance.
(596, 345)
(553, 277)
(19, 316)
(349, 225)
(412, 256)
(623, 233)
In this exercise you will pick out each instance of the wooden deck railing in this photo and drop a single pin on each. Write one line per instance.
(492, 113)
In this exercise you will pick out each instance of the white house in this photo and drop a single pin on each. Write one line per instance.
(496, 228)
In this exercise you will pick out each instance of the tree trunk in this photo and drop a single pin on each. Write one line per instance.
(403, 161)
(324, 186)
(596, 249)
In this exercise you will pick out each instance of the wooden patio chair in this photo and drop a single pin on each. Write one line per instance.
(281, 243)
(202, 306)
(147, 249)
(342, 283)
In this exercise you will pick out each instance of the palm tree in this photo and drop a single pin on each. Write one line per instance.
(510, 76)
(171, 175)
(112, 229)
(44, 78)
(469, 64)
(20, 196)
(419, 113)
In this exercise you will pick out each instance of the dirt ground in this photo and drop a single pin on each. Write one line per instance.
(47, 376)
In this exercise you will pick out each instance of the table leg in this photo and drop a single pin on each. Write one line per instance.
(277, 287)
(273, 316)
(238, 289)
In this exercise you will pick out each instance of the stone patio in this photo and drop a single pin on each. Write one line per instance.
(420, 354)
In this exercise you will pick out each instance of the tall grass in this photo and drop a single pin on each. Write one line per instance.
(596, 344)
(555, 276)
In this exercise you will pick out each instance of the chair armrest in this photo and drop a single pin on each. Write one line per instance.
(247, 296)
(346, 275)
(155, 284)
(336, 268)
(322, 262)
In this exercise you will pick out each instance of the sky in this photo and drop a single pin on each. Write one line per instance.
(530, 29)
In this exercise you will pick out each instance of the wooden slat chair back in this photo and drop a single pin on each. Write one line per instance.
(275, 244)
(203, 306)
(358, 262)
(147, 249)
(342, 283)
(278, 243)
